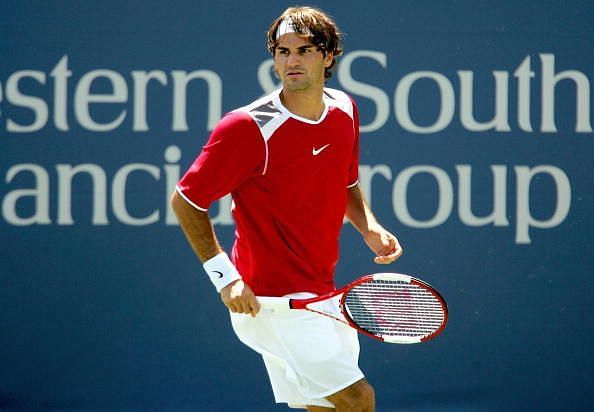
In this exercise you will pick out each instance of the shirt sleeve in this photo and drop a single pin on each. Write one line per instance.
(234, 152)
(354, 166)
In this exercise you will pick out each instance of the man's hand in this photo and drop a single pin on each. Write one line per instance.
(383, 244)
(240, 298)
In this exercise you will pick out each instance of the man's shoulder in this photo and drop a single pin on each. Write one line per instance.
(251, 113)
(340, 100)
(337, 95)
(235, 120)
(262, 110)
(266, 113)
(266, 100)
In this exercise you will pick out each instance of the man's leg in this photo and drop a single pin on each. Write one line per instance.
(312, 408)
(359, 397)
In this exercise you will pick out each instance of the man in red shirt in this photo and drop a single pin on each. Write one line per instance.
(290, 161)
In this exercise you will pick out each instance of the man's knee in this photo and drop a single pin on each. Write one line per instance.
(359, 397)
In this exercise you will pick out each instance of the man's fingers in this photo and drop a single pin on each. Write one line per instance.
(239, 298)
(248, 307)
(383, 260)
(231, 306)
(390, 245)
(245, 306)
(255, 307)
(390, 257)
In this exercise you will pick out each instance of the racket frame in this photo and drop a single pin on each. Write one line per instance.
(394, 277)
(285, 304)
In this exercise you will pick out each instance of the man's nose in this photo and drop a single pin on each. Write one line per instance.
(293, 59)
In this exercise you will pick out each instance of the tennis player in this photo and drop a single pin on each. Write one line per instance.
(290, 161)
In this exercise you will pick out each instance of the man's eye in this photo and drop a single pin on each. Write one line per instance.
(283, 52)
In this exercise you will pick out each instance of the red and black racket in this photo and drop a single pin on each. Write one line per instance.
(390, 307)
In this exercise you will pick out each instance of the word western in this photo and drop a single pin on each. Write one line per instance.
(105, 100)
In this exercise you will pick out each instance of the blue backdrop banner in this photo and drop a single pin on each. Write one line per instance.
(476, 150)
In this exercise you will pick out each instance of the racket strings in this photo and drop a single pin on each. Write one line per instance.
(394, 308)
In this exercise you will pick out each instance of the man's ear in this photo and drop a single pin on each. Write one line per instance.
(328, 59)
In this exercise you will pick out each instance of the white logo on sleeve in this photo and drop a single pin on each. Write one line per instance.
(316, 152)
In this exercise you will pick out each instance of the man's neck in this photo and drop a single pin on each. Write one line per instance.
(304, 104)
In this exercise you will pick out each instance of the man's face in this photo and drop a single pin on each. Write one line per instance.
(299, 64)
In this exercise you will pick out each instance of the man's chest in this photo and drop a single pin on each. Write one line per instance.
(314, 151)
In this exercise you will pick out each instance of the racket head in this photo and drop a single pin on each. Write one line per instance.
(394, 308)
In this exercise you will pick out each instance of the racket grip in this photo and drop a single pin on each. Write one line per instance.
(274, 303)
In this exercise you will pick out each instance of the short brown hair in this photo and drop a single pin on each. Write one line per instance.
(325, 34)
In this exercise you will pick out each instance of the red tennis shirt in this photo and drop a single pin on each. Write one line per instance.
(288, 177)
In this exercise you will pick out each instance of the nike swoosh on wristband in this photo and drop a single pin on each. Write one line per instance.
(316, 152)
(220, 274)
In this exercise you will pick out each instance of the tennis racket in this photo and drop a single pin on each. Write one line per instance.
(390, 307)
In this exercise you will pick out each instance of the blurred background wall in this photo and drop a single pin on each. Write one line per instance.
(476, 150)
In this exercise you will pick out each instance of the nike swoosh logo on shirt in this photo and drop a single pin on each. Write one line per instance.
(316, 152)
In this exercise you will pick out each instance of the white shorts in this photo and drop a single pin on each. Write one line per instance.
(307, 356)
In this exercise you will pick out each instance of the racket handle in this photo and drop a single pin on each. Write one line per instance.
(274, 303)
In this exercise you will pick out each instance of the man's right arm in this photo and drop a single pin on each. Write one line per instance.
(199, 232)
(197, 227)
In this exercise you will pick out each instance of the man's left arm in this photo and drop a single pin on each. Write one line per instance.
(383, 243)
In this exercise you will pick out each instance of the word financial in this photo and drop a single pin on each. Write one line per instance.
(49, 198)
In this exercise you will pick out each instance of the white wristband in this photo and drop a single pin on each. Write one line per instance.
(221, 271)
